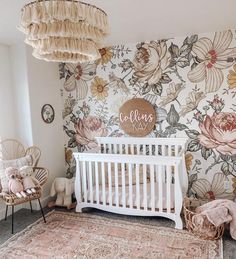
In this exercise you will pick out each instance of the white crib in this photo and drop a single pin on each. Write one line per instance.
(134, 176)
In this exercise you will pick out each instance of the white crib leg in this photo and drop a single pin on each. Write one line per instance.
(178, 222)
(78, 208)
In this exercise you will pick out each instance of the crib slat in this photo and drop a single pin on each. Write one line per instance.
(176, 150)
(116, 186)
(84, 181)
(150, 150)
(130, 187)
(123, 185)
(110, 183)
(79, 179)
(160, 180)
(137, 167)
(163, 150)
(168, 189)
(145, 187)
(132, 149)
(144, 150)
(90, 182)
(109, 148)
(152, 188)
(120, 149)
(126, 149)
(115, 148)
(138, 149)
(103, 184)
(97, 182)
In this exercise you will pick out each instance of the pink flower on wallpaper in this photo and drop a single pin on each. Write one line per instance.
(219, 132)
(89, 128)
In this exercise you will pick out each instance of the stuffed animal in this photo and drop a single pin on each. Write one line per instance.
(15, 185)
(29, 182)
(64, 189)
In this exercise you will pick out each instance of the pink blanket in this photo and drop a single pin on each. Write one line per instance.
(217, 212)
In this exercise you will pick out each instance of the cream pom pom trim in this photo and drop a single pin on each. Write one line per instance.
(50, 45)
(62, 56)
(64, 29)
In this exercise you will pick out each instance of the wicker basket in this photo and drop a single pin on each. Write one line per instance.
(209, 231)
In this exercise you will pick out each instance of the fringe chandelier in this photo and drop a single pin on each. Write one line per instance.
(64, 30)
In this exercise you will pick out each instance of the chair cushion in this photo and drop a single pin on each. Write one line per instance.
(18, 163)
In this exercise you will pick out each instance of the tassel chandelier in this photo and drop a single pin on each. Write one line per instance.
(64, 30)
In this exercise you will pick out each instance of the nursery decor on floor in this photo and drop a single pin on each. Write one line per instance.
(64, 30)
(87, 236)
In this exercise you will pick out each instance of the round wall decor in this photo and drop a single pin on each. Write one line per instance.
(48, 113)
(137, 117)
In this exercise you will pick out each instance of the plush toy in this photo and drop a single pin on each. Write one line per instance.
(64, 189)
(29, 182)
(15, 185)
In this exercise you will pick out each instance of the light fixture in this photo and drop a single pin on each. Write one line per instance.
(64, 30)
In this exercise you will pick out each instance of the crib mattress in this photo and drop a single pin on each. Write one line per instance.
(134, 196)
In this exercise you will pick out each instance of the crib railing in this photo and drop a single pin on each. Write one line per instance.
(134, 185)
(142, 146)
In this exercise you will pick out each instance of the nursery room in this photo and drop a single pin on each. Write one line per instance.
(118, 129)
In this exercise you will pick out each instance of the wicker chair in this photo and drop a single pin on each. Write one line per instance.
(10, 199)
(12, 149)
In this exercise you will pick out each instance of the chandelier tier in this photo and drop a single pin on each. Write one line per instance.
(64, 30)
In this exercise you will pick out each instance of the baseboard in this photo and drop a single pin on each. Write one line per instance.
(3, 210)
(35, 204)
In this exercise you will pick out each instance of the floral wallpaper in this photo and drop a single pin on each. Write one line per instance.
(191, 82)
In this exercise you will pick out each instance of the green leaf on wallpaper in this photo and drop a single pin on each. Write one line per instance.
(174, 50)
(194, 146)
(193, 178)
(192, 133)
(206, 152)
(180, 126)
(227, 168)
(72, 142)
(193, 65)
(190, 40)
(185, 50)
(225, 157)
(169, 131)
(233, 158)
(70, 133)
(157, 89)
(165, 79)
(146, 88)
(183, 62)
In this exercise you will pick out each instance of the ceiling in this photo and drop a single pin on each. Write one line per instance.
(138, 20)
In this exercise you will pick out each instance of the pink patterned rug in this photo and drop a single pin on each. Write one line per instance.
(70, 235)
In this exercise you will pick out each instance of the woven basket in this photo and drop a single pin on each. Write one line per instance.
(209, 231)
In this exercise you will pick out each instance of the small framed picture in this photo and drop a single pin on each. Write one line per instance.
(48, 113)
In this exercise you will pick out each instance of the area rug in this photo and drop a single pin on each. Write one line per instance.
(71, 235)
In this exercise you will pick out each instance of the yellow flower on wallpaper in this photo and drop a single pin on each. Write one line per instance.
(106, 55)
(234, 185)
(68, 155)
(188, 161)
(99, 88)
(232, 78)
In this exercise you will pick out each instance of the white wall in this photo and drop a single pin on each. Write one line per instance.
(44, 87)
(7, 108)
(21, 94)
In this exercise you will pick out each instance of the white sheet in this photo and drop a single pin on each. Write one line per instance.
(134, 198)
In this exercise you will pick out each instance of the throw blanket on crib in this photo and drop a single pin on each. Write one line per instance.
(217, 212)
